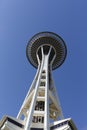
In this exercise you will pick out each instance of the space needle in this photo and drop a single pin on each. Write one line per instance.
(41, 109)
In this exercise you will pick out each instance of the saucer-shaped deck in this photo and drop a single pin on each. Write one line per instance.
(50, 39)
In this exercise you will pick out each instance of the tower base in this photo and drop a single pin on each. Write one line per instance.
(10, 123)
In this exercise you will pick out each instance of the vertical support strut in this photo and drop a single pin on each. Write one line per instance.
(32, 106)
(46, 68)
(46, 117)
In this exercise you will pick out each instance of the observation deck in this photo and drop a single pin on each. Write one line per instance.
(46, 39)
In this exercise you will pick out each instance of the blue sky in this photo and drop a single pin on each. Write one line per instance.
(19, 21)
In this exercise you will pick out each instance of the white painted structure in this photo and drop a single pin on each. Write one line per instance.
(41, 108)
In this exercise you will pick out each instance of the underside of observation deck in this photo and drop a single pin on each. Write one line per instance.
(46, 39)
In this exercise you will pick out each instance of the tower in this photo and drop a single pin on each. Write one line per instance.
(41, 108)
